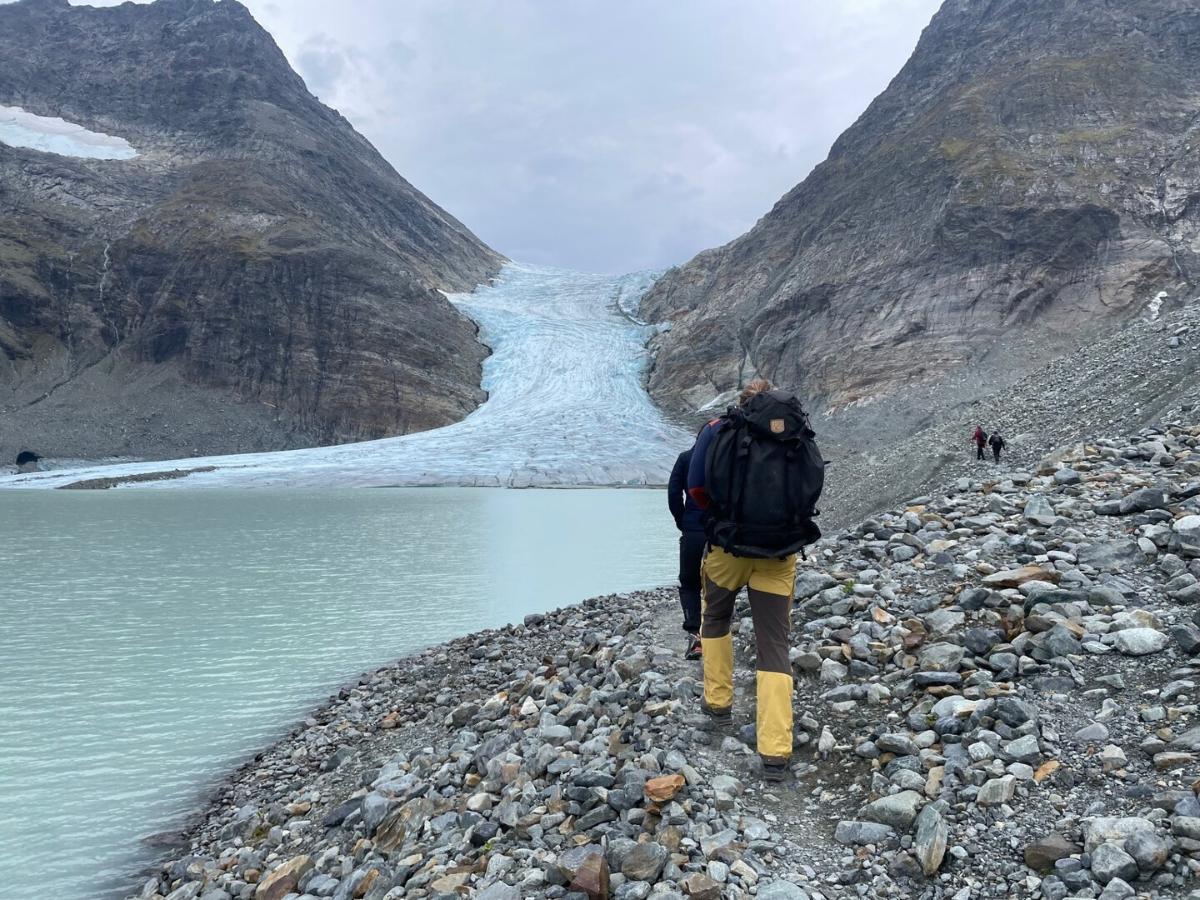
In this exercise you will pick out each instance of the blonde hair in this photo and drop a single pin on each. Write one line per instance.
(757, 386)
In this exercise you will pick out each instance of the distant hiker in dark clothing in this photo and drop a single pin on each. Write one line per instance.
(997, 443)
(980, 438)
(757, 474)
(689, 519)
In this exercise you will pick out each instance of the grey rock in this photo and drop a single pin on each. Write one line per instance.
(1142, 501)
(1111, 556)
(899, 744)
(1115, 829)
(1094, 733)
(809, 584)
(929, 843)
(898, 810)
(1149, 850)
(1039, 511)
(1186, 826)
(1140, 641)
(498, 891)
(1109, 861)
(854, 834)
(781, 890)
(941, 657)
(645, 862)
(996, 791)
(1187, 529)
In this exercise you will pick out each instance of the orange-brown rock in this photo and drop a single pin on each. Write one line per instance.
(283, 880)
(1012, 578)
(663, 788)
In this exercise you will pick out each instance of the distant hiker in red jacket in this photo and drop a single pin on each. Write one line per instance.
(980, 438)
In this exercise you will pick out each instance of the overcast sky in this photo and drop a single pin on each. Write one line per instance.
(603, 135)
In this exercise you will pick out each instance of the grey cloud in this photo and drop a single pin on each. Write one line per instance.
(596, 134)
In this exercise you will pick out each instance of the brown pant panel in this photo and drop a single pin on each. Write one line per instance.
(718, 610)
(771, 627)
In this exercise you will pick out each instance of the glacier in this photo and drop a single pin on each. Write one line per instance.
(566, 406)
(48, 134)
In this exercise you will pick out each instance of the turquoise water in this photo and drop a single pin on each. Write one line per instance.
(151, 640)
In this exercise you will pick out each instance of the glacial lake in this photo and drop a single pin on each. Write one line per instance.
(152, 640)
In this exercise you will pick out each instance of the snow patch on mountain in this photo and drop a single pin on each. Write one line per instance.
(49, 134)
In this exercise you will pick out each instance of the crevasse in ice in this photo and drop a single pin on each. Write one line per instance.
(19, 128)
(566, 405)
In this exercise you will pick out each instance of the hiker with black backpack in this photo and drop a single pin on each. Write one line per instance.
(689, 519)
(998, 444)
(757, 474)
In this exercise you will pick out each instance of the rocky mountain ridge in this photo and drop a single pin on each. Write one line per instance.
(1144, 374)
(1028, 180)
(257, 277)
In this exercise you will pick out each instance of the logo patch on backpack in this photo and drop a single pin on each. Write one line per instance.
(777, 426)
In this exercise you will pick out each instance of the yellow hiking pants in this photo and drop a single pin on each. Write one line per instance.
(770, 583)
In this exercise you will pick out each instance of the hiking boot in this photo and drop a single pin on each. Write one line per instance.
(695, 648)
(774, 771)
(722, 718)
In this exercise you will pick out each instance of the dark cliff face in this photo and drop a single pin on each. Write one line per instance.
(1033, 172)
(257, 247)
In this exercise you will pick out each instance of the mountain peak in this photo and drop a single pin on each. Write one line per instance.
(1022, 183)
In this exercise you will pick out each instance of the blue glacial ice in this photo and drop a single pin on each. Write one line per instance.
(566, 405)
(19, 128)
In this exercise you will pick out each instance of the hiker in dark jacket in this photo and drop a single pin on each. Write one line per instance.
(770, 583)
(689, 519)
(997, 443)
(980, 438)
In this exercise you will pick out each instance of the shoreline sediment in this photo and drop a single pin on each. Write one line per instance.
(996, 696)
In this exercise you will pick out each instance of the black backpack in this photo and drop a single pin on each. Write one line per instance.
(763, 475)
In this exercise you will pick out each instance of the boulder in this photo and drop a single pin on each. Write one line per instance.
(854, 834)
(1143, 501)
(941, 657)
(781, 890)
(1041, 855)
(663, 788)
(645, 862)
(1187, 530)
(1149, 850)
(283, 879)
(1109, 861)
(1111, 556)
(1140, 641)
(898, 810)
(585, 870)
(1011, 578)
(997, 791)
(700, 887)
(1039, 511)
(1112, 829)
(929, 844)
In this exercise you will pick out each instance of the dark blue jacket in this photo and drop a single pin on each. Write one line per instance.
(695, 476)
(688, 516)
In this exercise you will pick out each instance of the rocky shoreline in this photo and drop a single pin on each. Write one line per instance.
(996, 697)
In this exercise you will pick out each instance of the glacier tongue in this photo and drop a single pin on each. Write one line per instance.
(566, 405)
